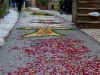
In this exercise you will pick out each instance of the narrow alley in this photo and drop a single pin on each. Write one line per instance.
(44, 43)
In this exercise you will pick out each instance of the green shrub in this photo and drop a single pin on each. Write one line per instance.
(4, 7)
(5, 4)
(59, 5)
(2, 11)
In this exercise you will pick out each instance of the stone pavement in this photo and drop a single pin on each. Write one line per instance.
(72, 54)
(94, 33)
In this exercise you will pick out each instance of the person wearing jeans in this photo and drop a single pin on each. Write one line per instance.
(20, 3)
(27, 3)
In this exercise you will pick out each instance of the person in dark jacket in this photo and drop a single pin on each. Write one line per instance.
(67, 6)
(20, 3)
(64, 6)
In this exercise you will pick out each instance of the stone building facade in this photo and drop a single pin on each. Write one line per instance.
(52, 5)
(32, 3)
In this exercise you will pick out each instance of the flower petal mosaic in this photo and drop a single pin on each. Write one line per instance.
(47, 55)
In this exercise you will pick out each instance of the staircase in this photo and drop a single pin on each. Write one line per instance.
(85, 21)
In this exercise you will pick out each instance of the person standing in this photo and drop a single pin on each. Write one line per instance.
(14, 3)
(20, 3)
(27, 3)
(64, 6)
(69, 6)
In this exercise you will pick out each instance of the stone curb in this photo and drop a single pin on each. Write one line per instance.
(6, 25)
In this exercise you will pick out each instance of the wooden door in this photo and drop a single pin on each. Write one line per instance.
(84, 7)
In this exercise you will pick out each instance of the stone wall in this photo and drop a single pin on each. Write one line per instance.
(32, 3)
(53, 5)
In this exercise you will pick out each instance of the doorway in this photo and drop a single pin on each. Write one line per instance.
(52, 6)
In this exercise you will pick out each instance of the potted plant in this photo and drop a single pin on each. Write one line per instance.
(43, 4)
(2, 12)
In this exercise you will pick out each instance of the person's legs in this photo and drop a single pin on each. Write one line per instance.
(70, 7)
(66, 7)
(25, 3)
(14, 3)
(70, 10)
(20, 6)
(28, 3)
